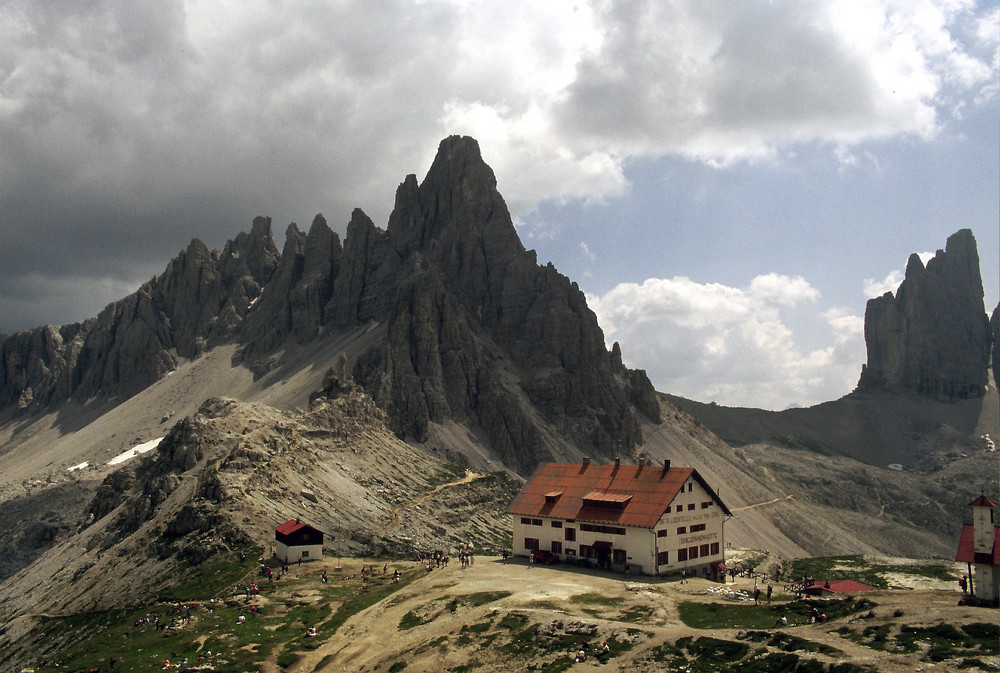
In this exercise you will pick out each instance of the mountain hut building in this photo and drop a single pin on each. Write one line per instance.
(294, 540)
(657, 520)
(979, 548)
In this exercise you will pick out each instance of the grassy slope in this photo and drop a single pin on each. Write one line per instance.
(275, 637)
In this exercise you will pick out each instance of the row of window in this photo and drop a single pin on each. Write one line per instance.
(528, 521)
(681, 530)
(586, 551)
(620, 555)
(593, 528)
(691, 506)
(691, 553)
(663, 558)
(615, 530)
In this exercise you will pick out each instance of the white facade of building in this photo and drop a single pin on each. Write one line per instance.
(292, 553)
(687, 536)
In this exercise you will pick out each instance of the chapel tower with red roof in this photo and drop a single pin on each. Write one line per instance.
(979, 547)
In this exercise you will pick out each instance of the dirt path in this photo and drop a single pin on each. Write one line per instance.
(469, 476)
(761, 504)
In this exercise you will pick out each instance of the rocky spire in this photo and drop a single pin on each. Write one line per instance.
(933, 336)
(479, 332)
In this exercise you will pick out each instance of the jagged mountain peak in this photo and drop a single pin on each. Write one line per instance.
(472, 329)
(456, 211)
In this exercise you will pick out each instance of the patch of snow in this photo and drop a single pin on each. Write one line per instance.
(136, 450)
(81, 466)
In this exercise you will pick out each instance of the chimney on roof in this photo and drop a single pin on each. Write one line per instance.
(296, 519)
(586, 461)
(618, 462)
(666, 465)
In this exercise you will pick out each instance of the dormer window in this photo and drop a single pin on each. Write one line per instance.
(606, 500)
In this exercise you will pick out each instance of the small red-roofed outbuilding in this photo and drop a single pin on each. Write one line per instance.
(294, 541)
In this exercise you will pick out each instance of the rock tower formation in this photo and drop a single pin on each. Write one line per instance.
(933, 336)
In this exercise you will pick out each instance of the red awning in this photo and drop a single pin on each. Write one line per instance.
(837, 587)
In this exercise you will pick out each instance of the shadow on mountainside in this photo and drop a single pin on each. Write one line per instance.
(875, 427)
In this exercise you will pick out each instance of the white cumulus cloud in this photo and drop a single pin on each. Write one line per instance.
(873, 287)
(732, 345)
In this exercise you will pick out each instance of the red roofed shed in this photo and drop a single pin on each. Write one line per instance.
(295, 541)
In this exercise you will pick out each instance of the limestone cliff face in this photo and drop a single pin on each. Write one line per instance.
(476, 331)
(477, 328)
(933, 336)
(197, 302)
(995, 357)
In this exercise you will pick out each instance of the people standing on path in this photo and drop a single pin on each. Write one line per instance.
(769, 590)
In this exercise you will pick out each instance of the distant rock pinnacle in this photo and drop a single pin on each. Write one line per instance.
(933, 337)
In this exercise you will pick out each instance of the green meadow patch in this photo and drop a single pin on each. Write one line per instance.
(725, 615)
(717, 655)
(141, 638)
(861, 569)
(939, 642)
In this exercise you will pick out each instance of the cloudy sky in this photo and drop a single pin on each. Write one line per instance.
(728, 181)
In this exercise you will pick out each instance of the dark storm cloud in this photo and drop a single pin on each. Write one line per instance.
(730, 80)
(128, 128)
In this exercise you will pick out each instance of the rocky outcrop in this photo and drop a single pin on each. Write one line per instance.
(476, 331)
(199, 301)
(933, 336)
